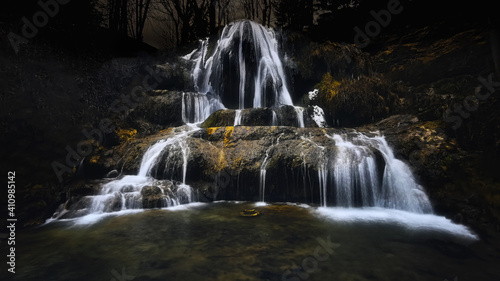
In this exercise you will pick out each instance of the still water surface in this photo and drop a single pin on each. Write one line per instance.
(285, 242)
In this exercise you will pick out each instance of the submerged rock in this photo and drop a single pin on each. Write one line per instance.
(151, 197)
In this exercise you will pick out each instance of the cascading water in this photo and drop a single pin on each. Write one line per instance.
(244, 70)
(353, 176)
(159, 167)
(363, 172)
(245, 61)
(195, 108)
(237, 117)
(360, 171)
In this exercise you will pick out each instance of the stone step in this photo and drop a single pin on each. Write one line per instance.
(286, 115)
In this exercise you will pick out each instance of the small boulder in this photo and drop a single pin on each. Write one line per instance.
(151, 197)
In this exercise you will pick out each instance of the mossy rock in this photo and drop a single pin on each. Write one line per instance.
(151, 197)
(356, 102)
(220, 118)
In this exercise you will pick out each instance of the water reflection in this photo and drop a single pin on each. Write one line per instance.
(214, 242)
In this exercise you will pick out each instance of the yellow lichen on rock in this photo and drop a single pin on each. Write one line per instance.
(328, 86)
(433, 124)
(237, 163)
(126, 135)
(94, 159)
(227, 136)
(212, 130)
(222, 162)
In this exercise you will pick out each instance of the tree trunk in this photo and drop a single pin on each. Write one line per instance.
(123, 29)
(212, 18)
(141, 21)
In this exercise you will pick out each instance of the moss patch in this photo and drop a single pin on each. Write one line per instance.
(357, 102)
(328, 87)
(126, 135)
(219, 118)
(227, 136)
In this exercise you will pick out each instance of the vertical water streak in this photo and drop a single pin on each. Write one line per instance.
(344, 171)
(262, 184)
(237, 117)
(323, 184)
(262, 176)
(242, 70)
(199, 60)
(300, 116)
(195, 107)
(263, 171)
(321, 162)
(274, 121)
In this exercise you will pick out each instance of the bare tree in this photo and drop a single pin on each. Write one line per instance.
(179, 13)
(127, 17)
(139, 11)
(251, 9)
(118, 16)
(224, 10)
(294, 14)
(258, 10)
(267, 9)
(193, 19)
(212, 17)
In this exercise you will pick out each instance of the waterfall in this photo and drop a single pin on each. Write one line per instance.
(159, 163)
(197, 107)
(251, 50)
(168, 154)
(244, 71)
(355, 180)
(362, 172)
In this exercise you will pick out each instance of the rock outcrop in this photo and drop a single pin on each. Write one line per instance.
(286, 115)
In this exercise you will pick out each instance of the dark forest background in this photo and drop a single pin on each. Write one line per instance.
(119, 26)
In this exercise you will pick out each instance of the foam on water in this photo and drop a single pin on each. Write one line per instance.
(408, 220)
(184, 207)
(261, 204)
(93, 218)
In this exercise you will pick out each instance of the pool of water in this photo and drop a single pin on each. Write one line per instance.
(284, 242)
